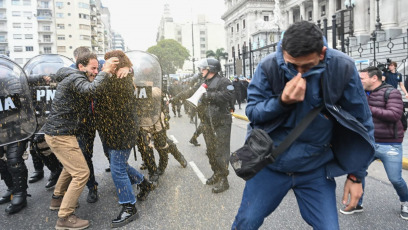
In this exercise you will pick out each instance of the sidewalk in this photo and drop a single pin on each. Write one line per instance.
(240, 114)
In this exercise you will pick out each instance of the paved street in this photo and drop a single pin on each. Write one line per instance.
(182, 201)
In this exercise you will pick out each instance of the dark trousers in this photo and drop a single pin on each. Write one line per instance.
(217, 139)
(14, 172)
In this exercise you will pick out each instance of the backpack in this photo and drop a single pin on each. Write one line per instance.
(404, 116)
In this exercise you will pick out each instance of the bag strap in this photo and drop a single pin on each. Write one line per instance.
(295, 133)
(386, 96)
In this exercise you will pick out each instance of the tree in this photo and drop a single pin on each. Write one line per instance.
(218, 54)
(171, 55)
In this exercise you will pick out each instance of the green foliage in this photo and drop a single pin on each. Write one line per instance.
(171, 55)
(218, 54)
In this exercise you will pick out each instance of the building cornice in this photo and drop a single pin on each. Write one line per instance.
(239, 5)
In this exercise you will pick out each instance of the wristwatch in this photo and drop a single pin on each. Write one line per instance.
(353, 178)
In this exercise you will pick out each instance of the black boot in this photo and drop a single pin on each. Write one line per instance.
(154, 176)
(177, 155)
(92, 195)
(221, 186)
(194, 141)
(18, 202)
(164, 159)
(213, 180)
(52, 181)
(6, 197)
(126, 215)
(145, 188)
(37, 175)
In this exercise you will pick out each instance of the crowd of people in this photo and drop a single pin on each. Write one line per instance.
(360, 109)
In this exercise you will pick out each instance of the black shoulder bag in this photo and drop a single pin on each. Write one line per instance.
(258, 150)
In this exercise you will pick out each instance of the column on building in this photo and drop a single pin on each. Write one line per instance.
(373, 14)
(290, 16)
(302, 11)
(315, 10)
(389, 18)
(361, 22)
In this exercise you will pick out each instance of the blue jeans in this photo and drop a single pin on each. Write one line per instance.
(391, 157)
(263, 193)
(123, 175)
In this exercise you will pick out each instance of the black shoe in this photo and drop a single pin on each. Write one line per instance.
(194, 141)
(145, 188)
(107, 169)
(183, 163)
(143, 166)
(92, 195)
(221, 186)
(212, 180)
(6, 197)
(18, 202)
(38, 175)
(154, 177)
(160, 171)
(52, 181)
(180, 115)
(126, 215)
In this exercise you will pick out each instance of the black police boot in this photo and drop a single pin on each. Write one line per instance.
(221, 186)
(145, 188)
(177, 155)
(52, 181)
(164, 159)
(37, 175)
(6, 197)
(107, 169)
(194, 141)
(154, 176)
(179, 114)
(213, 180)
(126, 215)
(92, 195)
(18, 202)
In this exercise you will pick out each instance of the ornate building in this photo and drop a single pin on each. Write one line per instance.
(260, 22)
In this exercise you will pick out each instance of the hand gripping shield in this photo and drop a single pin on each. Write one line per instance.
(148, 87)
(17, 117)
(42, 91)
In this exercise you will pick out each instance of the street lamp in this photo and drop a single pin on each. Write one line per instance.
(349, 6)
(378, 25)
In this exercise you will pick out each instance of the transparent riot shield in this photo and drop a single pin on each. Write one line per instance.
(40, 72)
(17, 117)
(148, 87)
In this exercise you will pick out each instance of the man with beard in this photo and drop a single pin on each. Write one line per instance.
(61, 129)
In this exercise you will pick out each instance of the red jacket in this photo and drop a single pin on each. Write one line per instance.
(386, 115)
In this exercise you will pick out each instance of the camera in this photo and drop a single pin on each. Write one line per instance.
(384, 66)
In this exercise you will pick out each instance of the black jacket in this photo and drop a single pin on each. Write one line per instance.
(71, 101)
(218, 102)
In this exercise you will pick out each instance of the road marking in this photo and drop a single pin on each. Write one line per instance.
(198, 172)
(173, 138)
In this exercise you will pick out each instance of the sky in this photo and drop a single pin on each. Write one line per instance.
(137, 20)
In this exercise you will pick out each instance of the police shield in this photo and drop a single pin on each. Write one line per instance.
(17, 117)
(148, 87)
(40, 72)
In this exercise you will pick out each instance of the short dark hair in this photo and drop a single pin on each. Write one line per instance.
(372, 71)
(84, 59)
(302, 38)
(80, 51)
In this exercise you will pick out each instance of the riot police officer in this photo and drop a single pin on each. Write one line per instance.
(17, 124)
(214, 112)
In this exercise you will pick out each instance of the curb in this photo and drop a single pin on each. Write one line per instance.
(405, 163)
(245, 118)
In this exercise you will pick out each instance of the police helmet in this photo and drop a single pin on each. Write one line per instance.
(212, 64)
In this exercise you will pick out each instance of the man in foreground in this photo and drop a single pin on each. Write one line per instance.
(288, 84)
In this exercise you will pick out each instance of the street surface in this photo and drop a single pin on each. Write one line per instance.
(182, 201)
